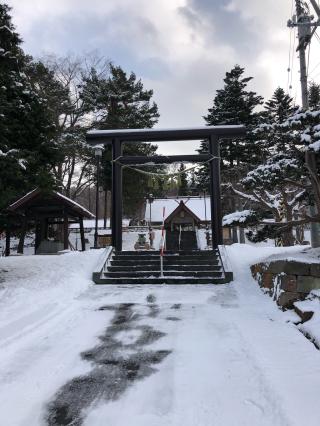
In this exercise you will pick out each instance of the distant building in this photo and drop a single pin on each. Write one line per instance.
(198, 206)
(182, 214)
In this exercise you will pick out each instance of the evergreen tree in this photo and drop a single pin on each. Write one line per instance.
(26, 149)
(183, 184)
(120, 102)
(233, 105)
(279, 107)
(276, 185)
(193, 183)
(314, 96)
(304, 130)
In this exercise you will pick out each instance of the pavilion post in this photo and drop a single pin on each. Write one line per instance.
(8, 236)
(116, 195)
(46, 228)
(43, 227)
(65, 231)
(83, 243)
(22, 236)
(37, 239)
(215, 199)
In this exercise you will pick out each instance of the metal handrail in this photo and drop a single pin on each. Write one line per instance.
(219, 254)
(102, 264)
(163, 238)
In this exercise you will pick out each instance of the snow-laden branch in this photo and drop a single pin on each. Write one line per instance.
(237, 218)
(244, 195)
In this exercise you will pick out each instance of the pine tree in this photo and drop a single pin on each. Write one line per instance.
(26, 151)
(121, 102)
(184, 185)
(233, 105)
(314, 96)
(193, 184)
(279, 107)
(276, 184)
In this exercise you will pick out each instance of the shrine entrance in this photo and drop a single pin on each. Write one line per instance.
(116, 138)
(181, 227)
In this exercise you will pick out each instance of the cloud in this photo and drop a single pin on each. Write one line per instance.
(180, 48)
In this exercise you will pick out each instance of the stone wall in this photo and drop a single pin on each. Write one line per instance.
(287, 281)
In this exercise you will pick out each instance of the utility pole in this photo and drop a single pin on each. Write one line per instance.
(307, 26)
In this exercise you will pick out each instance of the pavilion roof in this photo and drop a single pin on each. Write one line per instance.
(45, 200)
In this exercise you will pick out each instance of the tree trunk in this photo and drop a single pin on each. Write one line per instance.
(288, 238)
(234, 229)
(242, 236)
(299, 230)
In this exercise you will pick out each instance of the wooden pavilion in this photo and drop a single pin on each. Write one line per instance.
(42, 209)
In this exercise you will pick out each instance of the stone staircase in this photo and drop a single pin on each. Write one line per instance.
(183, 267)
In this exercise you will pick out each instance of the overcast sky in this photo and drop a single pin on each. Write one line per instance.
(180, 48)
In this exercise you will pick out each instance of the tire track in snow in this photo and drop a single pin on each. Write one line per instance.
(116, 364)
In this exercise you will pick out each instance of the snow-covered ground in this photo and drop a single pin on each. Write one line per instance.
(75, 353)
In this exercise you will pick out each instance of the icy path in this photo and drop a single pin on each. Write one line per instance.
(182, 356)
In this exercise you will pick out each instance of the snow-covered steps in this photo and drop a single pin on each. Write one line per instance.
(167, 267)
(170, 273)
(184, 267)
(166, 261)
(164, 280)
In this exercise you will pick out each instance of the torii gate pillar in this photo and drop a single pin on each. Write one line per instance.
(116, 194)
(215, 189)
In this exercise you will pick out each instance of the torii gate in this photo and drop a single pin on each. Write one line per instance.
(117, 138)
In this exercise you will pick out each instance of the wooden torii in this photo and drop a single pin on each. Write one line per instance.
(117, 138)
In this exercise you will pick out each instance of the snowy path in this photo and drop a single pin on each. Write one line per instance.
(182, 356)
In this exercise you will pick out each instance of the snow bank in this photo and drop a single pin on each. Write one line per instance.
(27, 282)
(298, 253)
(235, 357)
(311, 328)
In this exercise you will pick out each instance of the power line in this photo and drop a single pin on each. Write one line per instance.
(315, 76)
(317, 36)
(308, 62)
(317, 65)
(289, 62)
(292, 57)
(314, 68)
(291, 53)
